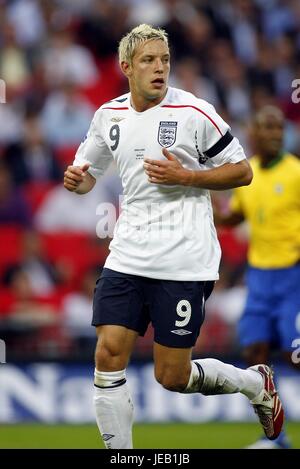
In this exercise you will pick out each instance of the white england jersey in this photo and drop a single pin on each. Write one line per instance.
(163, 232)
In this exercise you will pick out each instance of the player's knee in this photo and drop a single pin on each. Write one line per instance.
(171, 380)
(250, 358)
(255, 354)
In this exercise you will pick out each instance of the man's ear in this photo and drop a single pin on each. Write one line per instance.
(126, 69)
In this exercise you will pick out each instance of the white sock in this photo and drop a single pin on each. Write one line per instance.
(195, 380)
(215, 377)
(114, 409)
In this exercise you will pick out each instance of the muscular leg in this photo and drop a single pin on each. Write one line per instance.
(172, 366)
(113, 405)
(114, 347)
(256, 353)
(176, 372)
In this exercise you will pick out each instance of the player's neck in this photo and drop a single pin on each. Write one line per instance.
(268, 161)
(141, 104)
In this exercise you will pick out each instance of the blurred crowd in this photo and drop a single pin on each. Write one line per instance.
(58, 61)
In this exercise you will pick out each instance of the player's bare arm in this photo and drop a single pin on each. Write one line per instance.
(227, 219)
(171, 171)
(77, 179)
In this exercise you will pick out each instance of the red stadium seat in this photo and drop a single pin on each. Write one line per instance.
(6, 301)
(78, 250)
(65, 155)
(35, 193)
(104, 90)
(10, 245)
(234, 250)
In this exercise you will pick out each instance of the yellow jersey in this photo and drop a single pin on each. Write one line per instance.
(271, 206)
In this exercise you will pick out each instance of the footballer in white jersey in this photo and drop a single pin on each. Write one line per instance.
(164, 231)
(170, 148)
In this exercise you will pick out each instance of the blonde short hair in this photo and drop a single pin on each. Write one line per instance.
(138, 35)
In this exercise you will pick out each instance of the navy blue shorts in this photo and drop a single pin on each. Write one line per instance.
(175, 308)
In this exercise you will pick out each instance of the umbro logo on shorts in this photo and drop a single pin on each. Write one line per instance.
(181, 332)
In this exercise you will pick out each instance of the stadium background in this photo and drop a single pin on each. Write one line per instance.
(58, 62)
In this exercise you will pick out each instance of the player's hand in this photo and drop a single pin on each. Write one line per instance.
(168, 172)
(74, 176)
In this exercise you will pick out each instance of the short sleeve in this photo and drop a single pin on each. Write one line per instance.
(216, 143)
(232, 153)
(211, 126)
(93, 149)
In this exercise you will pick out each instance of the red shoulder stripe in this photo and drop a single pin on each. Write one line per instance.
(197, 109)
(116, 108)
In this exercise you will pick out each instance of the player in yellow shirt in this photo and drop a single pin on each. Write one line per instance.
(271, 206)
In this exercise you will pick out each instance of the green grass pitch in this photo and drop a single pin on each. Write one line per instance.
(160, 436)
